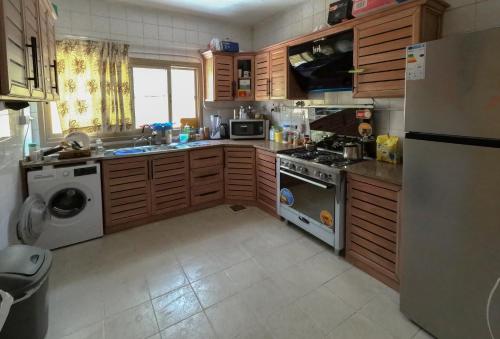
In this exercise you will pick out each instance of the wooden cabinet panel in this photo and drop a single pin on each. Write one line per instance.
(224, 77)
(278, 73)
(48, 46)
(380, 49)
(373, 225)
(170, 182)
(207, 179)
(13, 57)
(126, 192)
(266, 180)
(240, 174)
(34, 48)
(262, 77)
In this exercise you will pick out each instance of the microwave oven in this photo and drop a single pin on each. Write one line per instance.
(249, 129)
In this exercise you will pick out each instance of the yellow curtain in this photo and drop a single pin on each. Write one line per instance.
(95, 87)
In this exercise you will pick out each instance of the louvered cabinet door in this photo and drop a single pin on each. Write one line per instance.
(262, 79)
(126, 192)
(48, 46)
(33, 45)
(239, 173)
(13, 57)
(266, 180)
(373, 224)
(381, 54)
(278, 73)
(224, 77)
(170, 184)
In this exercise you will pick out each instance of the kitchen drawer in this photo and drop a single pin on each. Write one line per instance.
(208, 175)
(207, 193)
(373, 223)
(206, 158)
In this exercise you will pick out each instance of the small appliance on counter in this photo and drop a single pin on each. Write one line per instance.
(249, 129)
(215, 126)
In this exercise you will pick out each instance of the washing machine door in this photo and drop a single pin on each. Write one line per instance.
(32, 219)
(67, 203)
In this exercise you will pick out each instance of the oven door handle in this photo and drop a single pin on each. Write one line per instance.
(312, 182)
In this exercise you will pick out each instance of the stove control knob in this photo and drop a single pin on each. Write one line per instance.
(285, 164)
(323, 176)
(291, 166)
(302, 170)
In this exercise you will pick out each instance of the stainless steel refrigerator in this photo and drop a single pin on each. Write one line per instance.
(450, 250)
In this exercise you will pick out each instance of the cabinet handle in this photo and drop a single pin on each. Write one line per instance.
(34, 56)
(54, 66)
(270, 87)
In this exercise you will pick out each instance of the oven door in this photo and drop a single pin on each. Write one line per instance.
(314, 200)
(247, 129)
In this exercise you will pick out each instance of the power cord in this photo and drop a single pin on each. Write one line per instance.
(488, 307)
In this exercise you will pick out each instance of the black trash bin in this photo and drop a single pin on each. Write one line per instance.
(24, 273)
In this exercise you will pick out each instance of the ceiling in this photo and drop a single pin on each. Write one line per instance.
(245, 12)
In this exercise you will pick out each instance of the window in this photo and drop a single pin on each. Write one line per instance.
(164, 91)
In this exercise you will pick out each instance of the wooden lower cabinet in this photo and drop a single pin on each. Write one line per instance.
(373, 227)
(126, 192)
(207, 175)
(266, 180)
(239, 174)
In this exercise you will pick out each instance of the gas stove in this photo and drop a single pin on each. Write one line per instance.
(320, 164)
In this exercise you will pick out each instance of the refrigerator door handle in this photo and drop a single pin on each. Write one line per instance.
(488, 307)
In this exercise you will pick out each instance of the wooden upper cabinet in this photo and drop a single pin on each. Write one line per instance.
(262, 78)
(380, 48)
(13, 57)
(27, 49)
(219, 76)
(244, 77)
(278, 73)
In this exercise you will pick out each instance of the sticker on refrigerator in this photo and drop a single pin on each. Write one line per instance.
(415, 62)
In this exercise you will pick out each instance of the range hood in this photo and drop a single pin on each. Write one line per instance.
(324, 64)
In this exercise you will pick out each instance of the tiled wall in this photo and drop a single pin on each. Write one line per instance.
(146, 30)
(11, 141)
(462, 16)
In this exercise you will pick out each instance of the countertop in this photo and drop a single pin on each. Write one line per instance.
(260, 144)
(378, 170)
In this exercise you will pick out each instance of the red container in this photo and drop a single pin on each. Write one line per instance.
(362, 7)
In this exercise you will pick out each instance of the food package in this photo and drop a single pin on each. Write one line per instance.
(388, 149)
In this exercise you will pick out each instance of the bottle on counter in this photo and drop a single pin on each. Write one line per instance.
(99, 146)
(271, 133)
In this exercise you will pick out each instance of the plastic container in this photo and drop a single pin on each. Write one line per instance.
(278, 136)
(184, 138)
(24, 274)
(32, 152)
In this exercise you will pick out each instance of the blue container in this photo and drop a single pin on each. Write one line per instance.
(229, 46)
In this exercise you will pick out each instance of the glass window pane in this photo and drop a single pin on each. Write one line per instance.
(183, 94)
(55, 122)
(150, 95)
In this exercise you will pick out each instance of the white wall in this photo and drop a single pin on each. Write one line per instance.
(462, 16)
(146, 30)
(10, 179)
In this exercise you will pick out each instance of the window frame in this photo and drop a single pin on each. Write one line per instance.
(168, 65)
(48, 138)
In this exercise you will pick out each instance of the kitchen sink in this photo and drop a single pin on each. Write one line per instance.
(153, 148)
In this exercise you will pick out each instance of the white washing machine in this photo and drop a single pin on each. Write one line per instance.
(64, 206)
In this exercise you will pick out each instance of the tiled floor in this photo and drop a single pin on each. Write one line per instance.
(217, 274)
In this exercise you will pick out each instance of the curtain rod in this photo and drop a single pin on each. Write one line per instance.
(136, 47)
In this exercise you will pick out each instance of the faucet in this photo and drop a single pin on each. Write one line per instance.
(142, 137)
